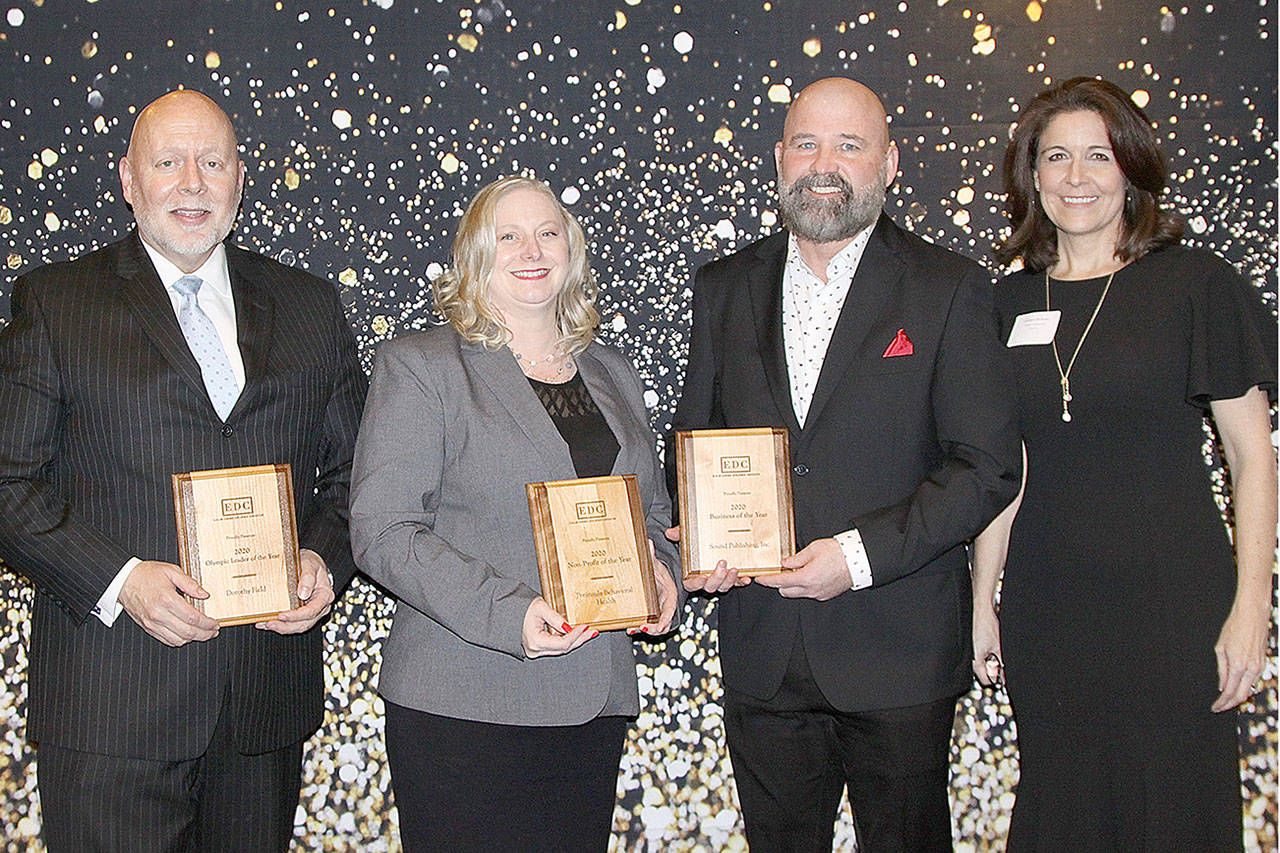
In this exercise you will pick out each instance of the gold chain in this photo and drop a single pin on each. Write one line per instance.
(1065, 375)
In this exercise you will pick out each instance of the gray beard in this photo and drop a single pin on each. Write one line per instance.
(189, 246)
(151, 224)
(827, 220)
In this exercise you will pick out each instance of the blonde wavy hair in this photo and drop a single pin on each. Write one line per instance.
(462, 292)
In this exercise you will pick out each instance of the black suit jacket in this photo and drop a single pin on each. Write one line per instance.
(917, 452)
(102, 402)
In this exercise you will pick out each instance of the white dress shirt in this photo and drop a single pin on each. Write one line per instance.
(214, 298)
(810, 309)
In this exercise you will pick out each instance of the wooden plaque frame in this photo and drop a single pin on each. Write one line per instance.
(593, 551)
(720, 480)
(238, 537)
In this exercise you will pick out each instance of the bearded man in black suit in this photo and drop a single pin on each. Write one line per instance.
(162, 731)
(878, 352)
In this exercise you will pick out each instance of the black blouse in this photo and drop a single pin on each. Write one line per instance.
(592, 444)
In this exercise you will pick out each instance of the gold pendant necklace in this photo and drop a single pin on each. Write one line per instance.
(1064, 376)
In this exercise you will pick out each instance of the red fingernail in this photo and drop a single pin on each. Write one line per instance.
(595, 634)
(566, 627)
(644, 628)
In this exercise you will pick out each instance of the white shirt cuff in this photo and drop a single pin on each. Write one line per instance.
(855, 557)
(109, 607)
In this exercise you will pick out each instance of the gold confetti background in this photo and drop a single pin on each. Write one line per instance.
(366, 127)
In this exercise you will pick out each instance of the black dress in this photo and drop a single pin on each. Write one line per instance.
(1120, 572)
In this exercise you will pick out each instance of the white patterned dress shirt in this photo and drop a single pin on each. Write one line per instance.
(810, 309)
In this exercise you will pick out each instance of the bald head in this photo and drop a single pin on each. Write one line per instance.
(179, 106)
(183, 177)
(840, 97)
(835, 160)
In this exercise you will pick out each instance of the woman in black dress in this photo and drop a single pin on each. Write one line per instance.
(1127, 630)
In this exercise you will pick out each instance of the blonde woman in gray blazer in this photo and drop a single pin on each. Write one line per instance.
(505, 724)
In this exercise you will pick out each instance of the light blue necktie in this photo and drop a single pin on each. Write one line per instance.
(206, 346)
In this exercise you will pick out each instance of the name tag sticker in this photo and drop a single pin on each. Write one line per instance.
(1034, 327)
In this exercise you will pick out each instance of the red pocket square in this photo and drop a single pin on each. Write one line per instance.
(901, 346)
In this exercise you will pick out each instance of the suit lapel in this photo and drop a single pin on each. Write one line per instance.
(764, 288)
(255, 314)
(610, 403)
(499, 371)
(146, 297)
(869, 293)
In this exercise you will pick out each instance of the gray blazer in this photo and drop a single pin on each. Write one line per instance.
(451, 434)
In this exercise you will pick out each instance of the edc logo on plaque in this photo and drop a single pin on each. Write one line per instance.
(236, 507)
(589, 510)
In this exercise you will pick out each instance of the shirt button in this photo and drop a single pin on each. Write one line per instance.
(800, 469)
(228, 430)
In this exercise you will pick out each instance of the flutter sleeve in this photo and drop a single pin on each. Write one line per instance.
(1233, 338)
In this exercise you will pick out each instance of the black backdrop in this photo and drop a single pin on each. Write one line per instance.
(366, 126)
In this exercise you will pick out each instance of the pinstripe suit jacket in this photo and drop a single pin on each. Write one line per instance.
(440, 517)
(101, 402)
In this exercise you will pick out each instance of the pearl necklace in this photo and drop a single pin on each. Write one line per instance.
(1064, 376)
(566, 362)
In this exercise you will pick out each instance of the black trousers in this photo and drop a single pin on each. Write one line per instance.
(462, 785)
(793, 755)
(221, 801)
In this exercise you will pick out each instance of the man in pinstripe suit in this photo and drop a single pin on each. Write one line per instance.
(161, 731)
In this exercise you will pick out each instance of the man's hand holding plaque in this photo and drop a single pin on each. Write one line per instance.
(735, 505)
(157, 596)
(722, 578)
(315, 592)
(817, 571)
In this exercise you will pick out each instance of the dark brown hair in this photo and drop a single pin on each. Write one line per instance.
(1145, 226)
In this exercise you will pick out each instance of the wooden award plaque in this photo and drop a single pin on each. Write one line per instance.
(735, 500)
(238, 537)
(593, 551)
